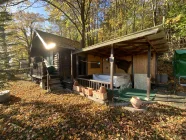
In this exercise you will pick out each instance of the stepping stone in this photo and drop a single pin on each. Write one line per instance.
(132, 109)
(119, 104)
(181, 94)
(176, 100)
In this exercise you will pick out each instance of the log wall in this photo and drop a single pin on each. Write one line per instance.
(65, 63)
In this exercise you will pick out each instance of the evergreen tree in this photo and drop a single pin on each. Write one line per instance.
(5, 45)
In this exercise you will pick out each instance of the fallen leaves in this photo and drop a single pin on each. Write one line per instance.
(34, 114)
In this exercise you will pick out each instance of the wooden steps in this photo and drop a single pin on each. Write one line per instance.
(55, 83)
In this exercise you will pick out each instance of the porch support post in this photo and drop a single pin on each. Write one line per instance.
(77, 65)
(111, 66)
(148, 73)
(132, 71)
(72, 76)
(156, 68)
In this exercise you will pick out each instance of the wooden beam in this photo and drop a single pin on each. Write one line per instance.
(95, 54)
(102, 65)
(151, 44)
(159, 44)
(121, 51)
(148, 73)
(132, 71)
(156, 68)
(111, 66)
(99, 53)
(157, 39)
(131, 43)
(72, 76)
(86, 64)
(77, 66)
(140, 39)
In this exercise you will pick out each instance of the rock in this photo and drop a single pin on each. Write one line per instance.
(4, 96)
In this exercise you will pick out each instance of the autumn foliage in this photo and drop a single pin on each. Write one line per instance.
(34, 114)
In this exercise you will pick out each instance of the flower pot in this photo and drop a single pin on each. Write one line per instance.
(74, 88)
(97, 94)
(136, 102)
(102, 96)
(102, 89)
(83, 90)
(76, 83)
(88, 91)
(78, 88)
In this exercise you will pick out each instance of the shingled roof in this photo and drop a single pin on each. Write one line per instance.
(58, 40)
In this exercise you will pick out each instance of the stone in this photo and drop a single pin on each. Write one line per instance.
(4, 96)
(132, 109)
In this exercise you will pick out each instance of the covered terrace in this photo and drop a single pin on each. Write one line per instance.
(140, 49)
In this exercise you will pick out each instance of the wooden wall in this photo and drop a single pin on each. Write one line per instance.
(127, 58)
(92, 58)
(139, 63)
(106, 66)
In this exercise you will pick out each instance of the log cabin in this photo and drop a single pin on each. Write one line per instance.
(51, 59)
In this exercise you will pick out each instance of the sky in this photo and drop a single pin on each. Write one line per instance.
(37, 7)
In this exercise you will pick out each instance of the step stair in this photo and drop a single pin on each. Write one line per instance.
(55, 83)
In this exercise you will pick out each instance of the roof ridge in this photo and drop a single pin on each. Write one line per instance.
(57, 36)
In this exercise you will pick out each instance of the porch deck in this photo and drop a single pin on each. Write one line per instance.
(126, 94)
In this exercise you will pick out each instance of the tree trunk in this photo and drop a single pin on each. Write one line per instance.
(154, 6)
(83, 23)
(134, 18)
(83, 36)
(29, 59)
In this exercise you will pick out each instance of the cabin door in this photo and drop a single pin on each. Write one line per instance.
(82, 68)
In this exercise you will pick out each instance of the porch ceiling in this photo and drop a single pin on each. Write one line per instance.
(132, 44)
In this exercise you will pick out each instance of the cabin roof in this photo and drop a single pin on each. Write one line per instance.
(58, 40)
(131, 44)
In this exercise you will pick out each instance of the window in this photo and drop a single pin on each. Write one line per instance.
(94, 64)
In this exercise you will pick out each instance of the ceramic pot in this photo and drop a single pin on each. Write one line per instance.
(102, 89)
(136, 102)
(98, 95)
(79, 88)
(76, 83)
(89, 92)
(83, 90)
(102, 96)
(74, 88)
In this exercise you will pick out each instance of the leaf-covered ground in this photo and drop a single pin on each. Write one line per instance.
(34, 114)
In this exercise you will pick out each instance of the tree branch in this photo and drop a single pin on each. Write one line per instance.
(64, 14)
(75, 14)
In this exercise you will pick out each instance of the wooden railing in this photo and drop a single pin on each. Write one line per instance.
(93, 83)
